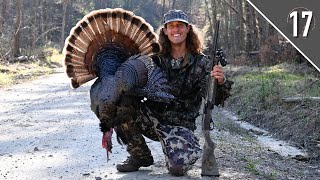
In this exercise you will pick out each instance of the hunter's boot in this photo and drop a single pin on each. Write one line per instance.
(140, 155)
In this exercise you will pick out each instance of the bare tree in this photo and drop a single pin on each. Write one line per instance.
(211, 21)
(17, 25)
(226, 26)
(42, 19)
(233, 21)
(34, 22)
(209, 18)
(64, 11)
(173, 5)
(254, 28)
(163, 6)
(235, 28)
(240, 22)
(3, 15)
(190, 6)
(128, 5)
(249, 43)
(3, 4)
(241, 25)
(98, 4)
(214, 11)
(261, 28)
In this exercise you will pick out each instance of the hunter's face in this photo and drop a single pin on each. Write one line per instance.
(177, 32)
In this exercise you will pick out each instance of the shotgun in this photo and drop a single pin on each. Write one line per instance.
(209, 164)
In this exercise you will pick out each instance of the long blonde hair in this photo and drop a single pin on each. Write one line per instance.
(194, 41)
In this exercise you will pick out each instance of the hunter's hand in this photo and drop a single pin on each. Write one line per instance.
(218, 73)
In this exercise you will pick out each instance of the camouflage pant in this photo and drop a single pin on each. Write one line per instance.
(180, 146)
(134, 131)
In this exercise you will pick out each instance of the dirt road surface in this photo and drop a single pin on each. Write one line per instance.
(47, 131)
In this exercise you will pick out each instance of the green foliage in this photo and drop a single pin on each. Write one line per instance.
(264, 89)
(272, 175)
(54, 57)
(251, 166)
(257, 97)
(6, 78)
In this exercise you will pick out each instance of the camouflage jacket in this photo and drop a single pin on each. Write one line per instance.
(188, 82)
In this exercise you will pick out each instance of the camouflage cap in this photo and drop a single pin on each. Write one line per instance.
(175, 15)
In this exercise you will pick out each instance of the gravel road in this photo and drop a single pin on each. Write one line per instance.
(47, 131)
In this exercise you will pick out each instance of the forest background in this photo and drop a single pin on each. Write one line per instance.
(275, 87)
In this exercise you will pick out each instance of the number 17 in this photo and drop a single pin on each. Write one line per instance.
(294, 14)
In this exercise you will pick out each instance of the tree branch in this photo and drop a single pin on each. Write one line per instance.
(237, 12)
(299, 99)
(44, 33)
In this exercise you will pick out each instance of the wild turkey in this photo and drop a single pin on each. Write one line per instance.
(114, 45)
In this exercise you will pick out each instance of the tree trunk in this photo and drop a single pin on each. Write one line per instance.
(232, 44)
(64, 11)
(214, 11)
(3, 15)
(173, 6)
(190, 7)
(271, 30)
(163, 7)
(299, 99)
(108, 3)
(128, 5)
(209, 19)
(98, 4)
(261, 29)
(249, 43)
(241, 25)
(236, 24)
(254, 28)
(34, 22)
(42, 20)
(16, 36)
(236, 29)
(226, 27)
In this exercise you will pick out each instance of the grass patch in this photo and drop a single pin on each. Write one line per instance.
(272, 175)
(251, 166)
(257, 98)
(11, 74)
(261, 90)
(55, 57)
